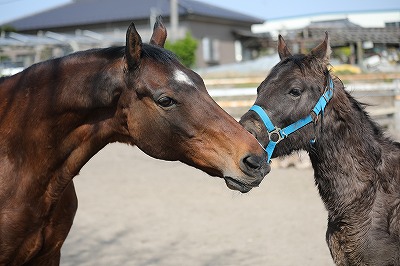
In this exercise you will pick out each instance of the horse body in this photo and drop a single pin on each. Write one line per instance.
(356, 168)
(56, 115)
(357, 173)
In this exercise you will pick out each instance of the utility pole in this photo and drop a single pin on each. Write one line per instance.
(153, 16)
(174, 18)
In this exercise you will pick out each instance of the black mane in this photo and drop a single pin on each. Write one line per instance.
(3, 78)
(304, 62)
(157, 53)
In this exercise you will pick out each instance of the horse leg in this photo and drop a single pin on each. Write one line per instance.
(334, 239)
(56, 232)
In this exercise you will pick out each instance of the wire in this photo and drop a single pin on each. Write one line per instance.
(9, 2)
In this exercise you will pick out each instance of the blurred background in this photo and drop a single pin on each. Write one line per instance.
(231, 44)
(135, 210)
(365, 35)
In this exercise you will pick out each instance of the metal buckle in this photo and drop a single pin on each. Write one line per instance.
(276, 131)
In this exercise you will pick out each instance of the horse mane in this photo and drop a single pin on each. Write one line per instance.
(3, 78)
(305, 62)
(154, 52)
(98, 58)
(157, 53)
(357, 106)
(360, 107)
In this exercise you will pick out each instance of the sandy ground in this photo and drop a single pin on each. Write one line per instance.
(136, 210)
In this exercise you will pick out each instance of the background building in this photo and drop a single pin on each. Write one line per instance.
(84, 24)
(362, 38)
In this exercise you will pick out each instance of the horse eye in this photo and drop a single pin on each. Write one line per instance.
(295, 92)
(166, 101)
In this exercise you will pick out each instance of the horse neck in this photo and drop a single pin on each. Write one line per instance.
(347, 153)
(91, 113)
(63, 118)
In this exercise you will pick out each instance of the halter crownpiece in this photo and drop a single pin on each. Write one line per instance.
(276, 134)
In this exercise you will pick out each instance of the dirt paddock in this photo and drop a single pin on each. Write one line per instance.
(136, 210)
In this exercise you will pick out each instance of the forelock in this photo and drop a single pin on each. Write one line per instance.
(159, 54)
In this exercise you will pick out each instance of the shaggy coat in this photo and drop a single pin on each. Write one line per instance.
(356, 167)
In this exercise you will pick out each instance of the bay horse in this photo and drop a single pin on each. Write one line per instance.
(299, 106)
(56, 115)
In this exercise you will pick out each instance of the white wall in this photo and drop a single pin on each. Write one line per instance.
(367, 20)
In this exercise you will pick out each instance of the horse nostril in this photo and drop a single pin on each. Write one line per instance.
(256, 167)
(252, 162)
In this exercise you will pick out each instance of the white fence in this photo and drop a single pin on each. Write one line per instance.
(383, 100)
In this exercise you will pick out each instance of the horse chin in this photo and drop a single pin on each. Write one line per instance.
(237, 185)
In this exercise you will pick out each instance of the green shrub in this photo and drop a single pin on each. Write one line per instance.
(185, 49)
(7, 28)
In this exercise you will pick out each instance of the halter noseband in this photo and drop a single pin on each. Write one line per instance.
(277, 134)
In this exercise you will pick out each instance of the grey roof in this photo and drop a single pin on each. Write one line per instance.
(86, 12)
(57, 39)
(336, 23)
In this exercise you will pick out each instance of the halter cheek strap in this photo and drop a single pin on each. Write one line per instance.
(277, 134)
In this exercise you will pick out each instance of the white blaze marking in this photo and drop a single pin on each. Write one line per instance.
(180, 76)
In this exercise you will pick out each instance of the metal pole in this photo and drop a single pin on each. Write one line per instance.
(397, 107)
(153, 16)
(360, 53)
(174, 16)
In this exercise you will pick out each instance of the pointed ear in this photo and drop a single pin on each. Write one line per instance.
(159, 33)
(133, 48)
(323, 50)
(283, 51)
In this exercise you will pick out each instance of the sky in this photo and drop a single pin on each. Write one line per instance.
(264, 9)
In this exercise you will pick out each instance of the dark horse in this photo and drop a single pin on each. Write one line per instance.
(56, 115)
(356, 168)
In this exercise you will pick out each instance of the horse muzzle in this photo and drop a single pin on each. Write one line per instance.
(255, 168)
(237, 185)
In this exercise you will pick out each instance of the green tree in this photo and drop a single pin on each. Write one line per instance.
(7, 28)
(185, 49)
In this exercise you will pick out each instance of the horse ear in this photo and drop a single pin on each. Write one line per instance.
(159, 33)
(133, 48)
(283, 51)
(323, 50)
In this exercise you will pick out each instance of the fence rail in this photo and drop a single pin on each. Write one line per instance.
(237, 81)
(383, 99)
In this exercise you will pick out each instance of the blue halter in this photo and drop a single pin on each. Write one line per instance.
(277, 134)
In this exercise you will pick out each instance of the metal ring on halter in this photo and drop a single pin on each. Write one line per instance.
(276, 131)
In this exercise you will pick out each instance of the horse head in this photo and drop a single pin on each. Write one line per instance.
(291, 100)
(167, 112)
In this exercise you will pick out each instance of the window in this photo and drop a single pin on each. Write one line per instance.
(238, 51)
(210, 50)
